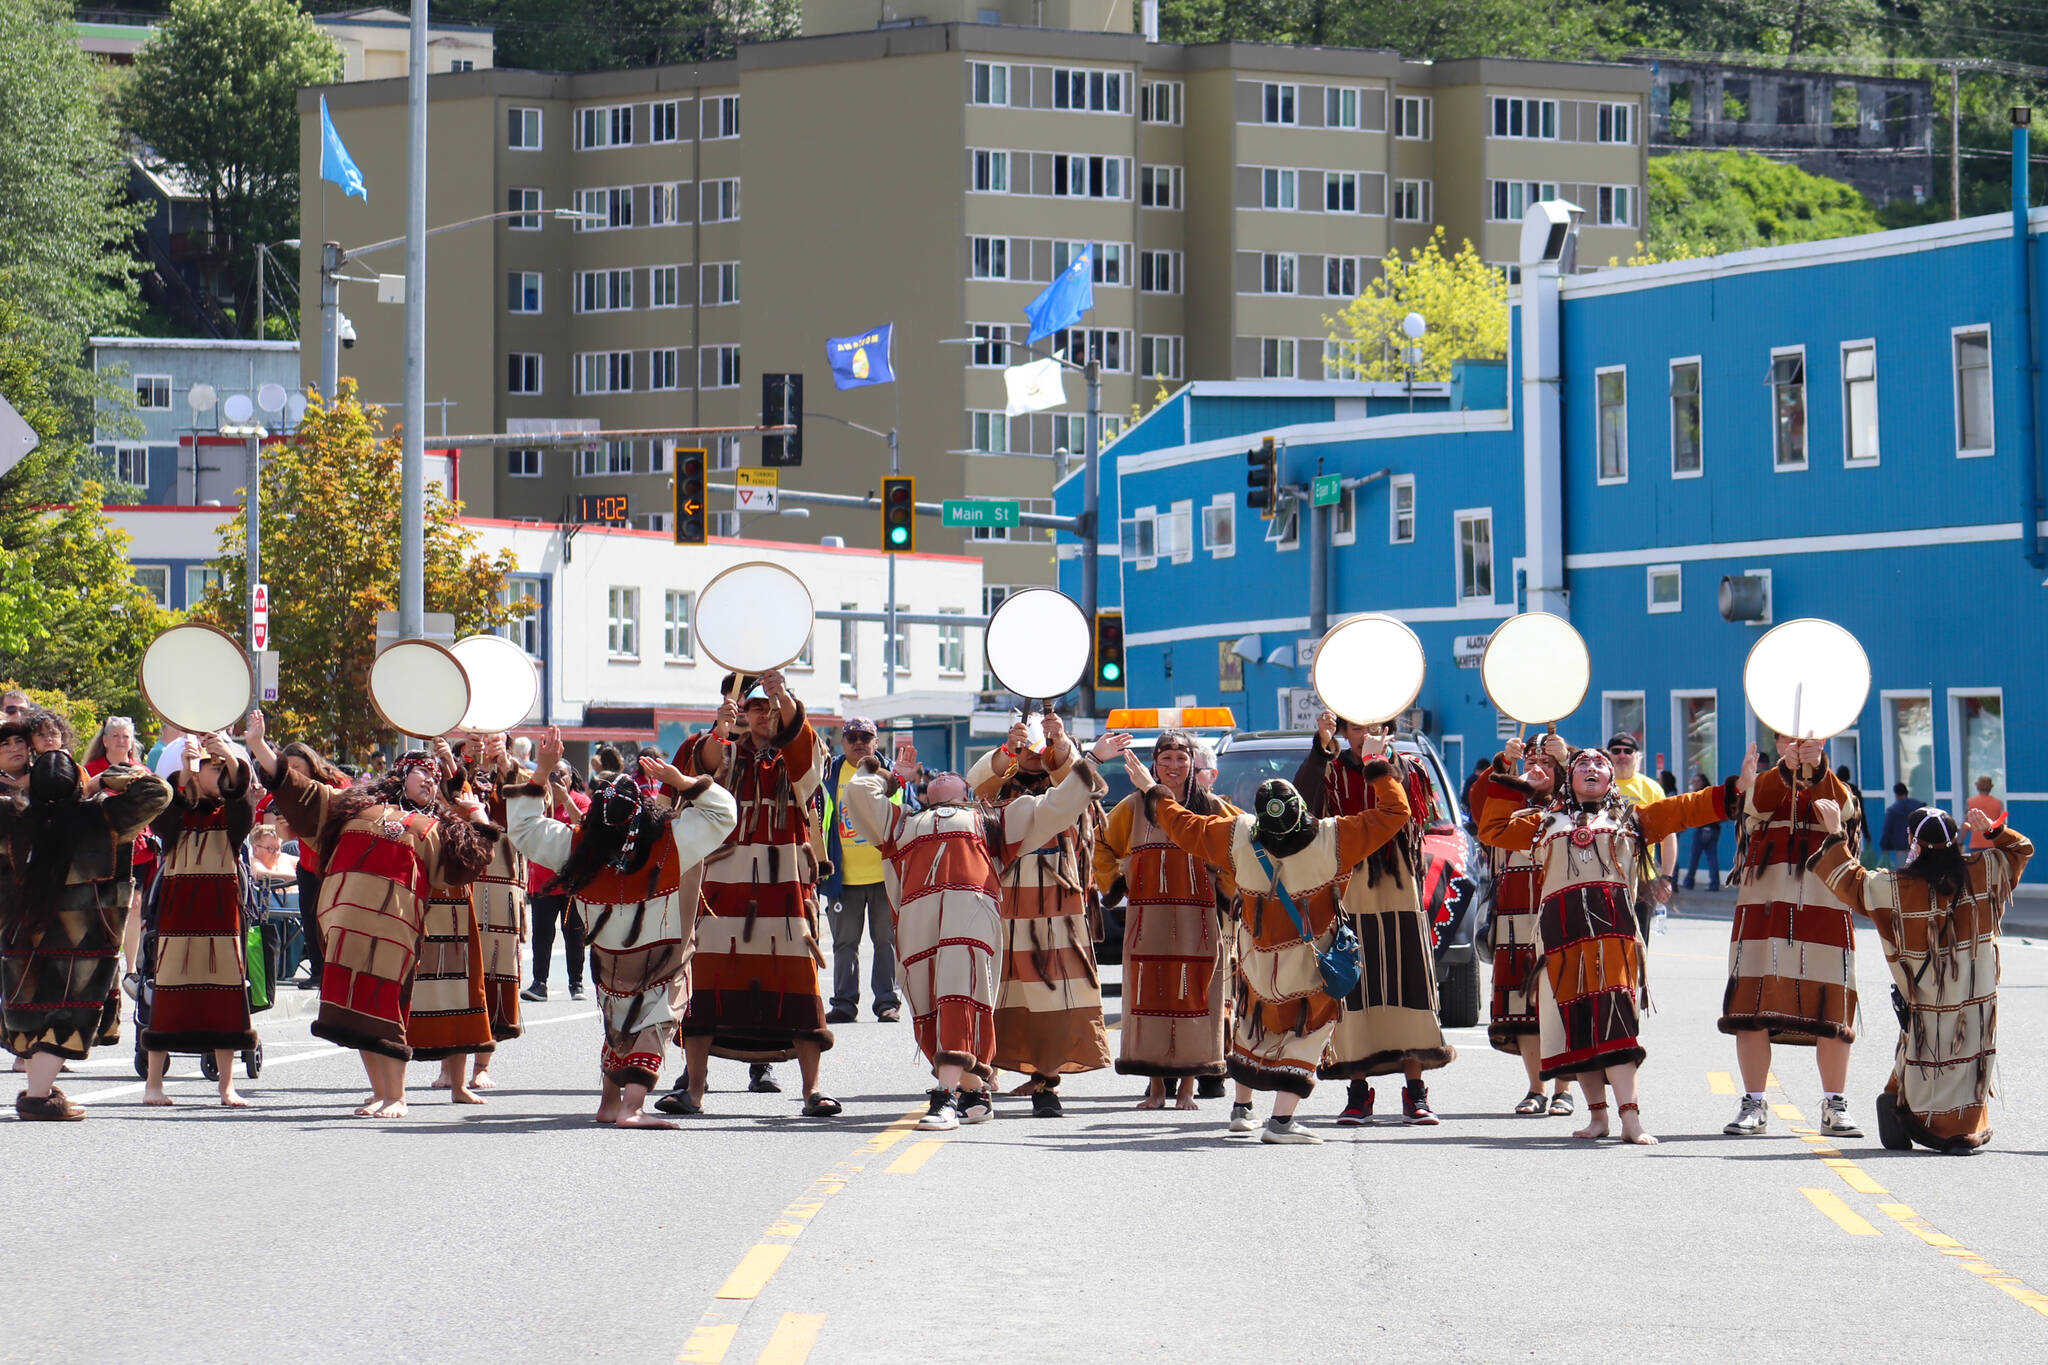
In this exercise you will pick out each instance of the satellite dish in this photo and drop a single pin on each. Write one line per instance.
(1368, 669)
(1037, 643)
(419, 688)
(197, 678)
(1807, 677)
(503, 684)
(200, 398)
(238, 408)
(295, 409)
(754, 617)
(1536, 668)
(270, 397)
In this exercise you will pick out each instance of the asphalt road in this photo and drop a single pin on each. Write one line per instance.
(518, 1232)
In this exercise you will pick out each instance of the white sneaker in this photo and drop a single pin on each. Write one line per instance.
(942, 1116)
(1752, 1120)
(974, 1106)
(1835, 1120)
(1287, 1130)
(1241, 1120)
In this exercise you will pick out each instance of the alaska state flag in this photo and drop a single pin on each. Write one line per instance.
(335, 162)
(1065, 299)
(862, 359)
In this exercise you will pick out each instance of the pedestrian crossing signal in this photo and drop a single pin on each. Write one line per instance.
(899, 514)
(1109, 651)
(690, 519)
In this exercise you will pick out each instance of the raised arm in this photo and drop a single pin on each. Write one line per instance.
(1360, 836)
(871, 807)
(1836, 866)
(1113, 842)
(133, 797)
(1688, 810)
(1506, 817)
(1313, 775)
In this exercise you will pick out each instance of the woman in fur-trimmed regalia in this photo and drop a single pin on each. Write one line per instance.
(1511, 1024)
(1589, 852)
(1174, 958)
(500, 900)
(383, 843)
(1939, 917)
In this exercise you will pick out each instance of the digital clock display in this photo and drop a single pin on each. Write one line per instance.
(604, 507)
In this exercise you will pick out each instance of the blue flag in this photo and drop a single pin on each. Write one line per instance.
(335, 162)
(1065, 299)
(862, 359)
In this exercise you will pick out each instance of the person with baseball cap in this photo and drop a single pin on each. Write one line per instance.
(855, 895)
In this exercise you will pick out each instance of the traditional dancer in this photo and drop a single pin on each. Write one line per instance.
(198, 983)
(1389, 1023)
(501, 912)
(305, 761)
(1589, 851)
(1290, 870)
(1049, 1015)
(1792, 948)
(944, 866)
(1939, 917)
(1175, 910)
(1512, 1022)
(383, 843)
(756, 996)
(633, 870)
(62, 858)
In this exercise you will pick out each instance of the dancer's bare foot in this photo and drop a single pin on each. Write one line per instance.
(370, 1108)
(1186, 1102)
(1152, 1102)
(231, 1098)
(636, 1119)
(438, 1083)
(1632, 1127)
(393, 1109)
(156, 1099)
(611, 1111)
(1030, 1084)
(1596, 1128)
(466, 1096)
(482, 1081)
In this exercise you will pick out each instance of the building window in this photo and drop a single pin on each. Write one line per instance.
(461, 64)
(1686, 449)
(1695, 727)
(664, 368)
(952, 644)
(1159, 272)
(611, 207)
(991, 173)
(721, 117)
(1524, 118)
(1475, 556)
(1283, 532)
(604, 291)
(664, 287)
(896, 649)
(1413, 115)
(1160, 102)
(665, 204)
(1137, 538)
(529, 204)
(1342, 276)
(1401, 510)
(849, 667)
(1219, 526)
(1109, 263)
(1344, 518)
(604, 372)
(1340, 192)
(1340, 107)
(1788, 407)
(1096, 92)
(154, 579)
(1612, 394)
(1859, 402)
(1105, 345)
(1412, 201)
(1666, 588)
(152, 392)
(991, 257)
(604, 458)
(522, 373)
(722, 200)
(1616, 205)
(1624, 713)
(525, 630)
(677, 645)
(991, 349)
(1510, 199)
(989, 432)
(991, 83)
(1617, 123)
(522, 291)
(522, 129)
(722, 367)
(1278, 103)
(1977, 723)
(622, 623)
(522, 464)
(1276, 187)
(199, 581)
(1973, 391)
(721, 283)
(1909, 742)
(1276, 272)
(1091, 177)
(131, 464)
(1159, 187)
(663, 125)
(1159, 357)
(1276, 357)
(610, 126)
(1173, 533)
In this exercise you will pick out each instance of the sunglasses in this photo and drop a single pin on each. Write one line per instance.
(15, 710)
(1620, 749)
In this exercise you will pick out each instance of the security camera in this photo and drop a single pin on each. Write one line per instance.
(347, 332)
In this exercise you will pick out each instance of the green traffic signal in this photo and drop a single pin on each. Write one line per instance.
(1111, 672)
(897, 535)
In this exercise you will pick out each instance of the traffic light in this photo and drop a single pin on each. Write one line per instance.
(690, 517)
(782, 405)
(899, 514)
(1262, 475)
(1109, 651)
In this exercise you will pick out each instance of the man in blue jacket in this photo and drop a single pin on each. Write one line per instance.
(855, 895)
(1898, 822)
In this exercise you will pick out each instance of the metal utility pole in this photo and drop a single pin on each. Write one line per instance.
(889, 655)
(330, 319)
(1955, 141)
(412, 479)
(1091, 507)
(252, 514)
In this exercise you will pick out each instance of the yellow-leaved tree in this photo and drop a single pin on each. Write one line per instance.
(1464, 306)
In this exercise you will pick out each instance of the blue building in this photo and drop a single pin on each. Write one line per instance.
(1843, 429)
(185, 390)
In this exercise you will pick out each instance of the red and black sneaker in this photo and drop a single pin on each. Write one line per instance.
(1357, 1106)
(1415, 1105)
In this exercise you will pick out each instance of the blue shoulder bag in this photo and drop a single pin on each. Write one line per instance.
(1339, 964)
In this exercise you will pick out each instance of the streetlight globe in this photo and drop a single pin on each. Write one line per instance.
(1413, 326)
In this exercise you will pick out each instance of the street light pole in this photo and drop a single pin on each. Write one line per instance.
(330, 319)
(412, 478)
(1091, 508)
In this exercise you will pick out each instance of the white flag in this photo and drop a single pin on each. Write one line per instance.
(1036, 386)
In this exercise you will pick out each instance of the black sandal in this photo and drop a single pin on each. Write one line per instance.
(821, 1106)
(1563, 1106)
(678, 1102)
(1532, 1103)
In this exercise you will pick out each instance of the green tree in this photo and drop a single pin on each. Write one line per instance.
(216, 94)
(330, 530)
(1708, 202)
(599, 35)
(1463, 302)
(1441, 30)
(63, 216)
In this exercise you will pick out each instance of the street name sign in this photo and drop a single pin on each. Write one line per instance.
(979, 512)
(1327, 490)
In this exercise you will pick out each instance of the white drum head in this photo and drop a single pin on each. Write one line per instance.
(754, 617)
(1807, 677)
(1368, 669)
(197, 678)
(503, 683)
(418, 686)
(1038, 643)
(1536, 668)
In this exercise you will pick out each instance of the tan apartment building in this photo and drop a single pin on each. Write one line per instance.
(936, 173)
